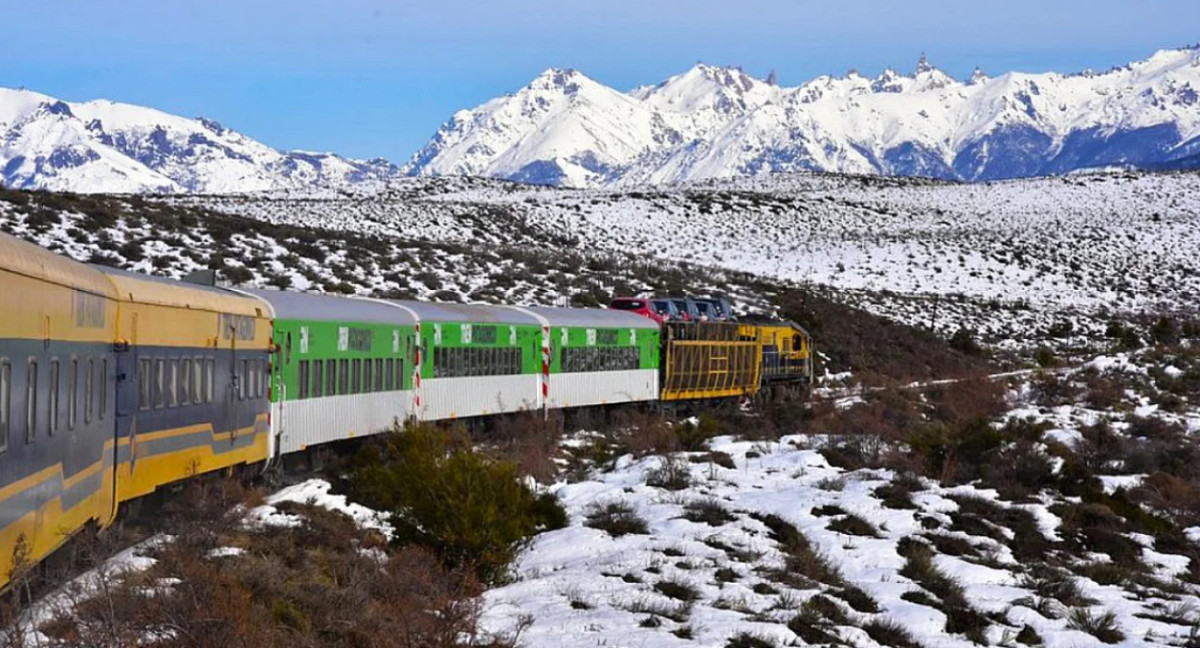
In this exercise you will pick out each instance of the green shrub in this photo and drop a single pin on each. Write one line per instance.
(471, 511)
(854, 525)
(707, 511)
(748, 640)
(1101, 626)
(890, 633)
(617, 519)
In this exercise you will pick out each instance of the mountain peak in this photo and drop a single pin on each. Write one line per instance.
(978, 77)
(889, 81)
(57, 108)
(923, 65)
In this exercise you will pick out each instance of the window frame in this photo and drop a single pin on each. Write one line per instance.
(73, 393)
(303, 379)
(5, 403)
(89, 396)
(158, 382)
(171, 384)
(31, 400)
(103, 409)
(54, 395)
(185, 382)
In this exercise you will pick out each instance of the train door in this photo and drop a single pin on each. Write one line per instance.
(234, 387)
(132, 380)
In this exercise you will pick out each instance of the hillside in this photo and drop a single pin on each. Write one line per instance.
(1013, 261)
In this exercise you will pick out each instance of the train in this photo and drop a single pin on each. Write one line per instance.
(115, 385)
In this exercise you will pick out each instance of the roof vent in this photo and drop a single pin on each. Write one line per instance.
(201, 277)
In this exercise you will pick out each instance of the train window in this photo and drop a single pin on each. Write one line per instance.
(304, 384)
(389, 376)
(331, 384)
(210, 379)
(243, 377)
(143, 378)
(171, 397)
(103, 388)
(368, 375)
(88, 381)
(55, 393)
(185, 382)
(160, 370)
(356, 377)
(344, 377)
(5, 403)
(73, 394)
(31, 401)
(318, 375)
(198, 376)
(254, 389)
(378, 374)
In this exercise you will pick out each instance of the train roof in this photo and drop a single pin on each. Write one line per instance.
(161, 291)
(600, 317)
(331, 308)
(36, 262)
(467, 313)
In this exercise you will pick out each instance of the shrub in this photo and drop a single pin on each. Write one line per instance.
(1052, 390)
(617, 519)
(897, 494)
(1028, 636)
(1101, 626)
(708, 511)
(920, 567)
(854, 525)
(1056, 584)
(890, 633)
(803, 565)
(722, 459)
(748, 640)
(673, 473)
(857, 599)
(472, 511)
(678, 590)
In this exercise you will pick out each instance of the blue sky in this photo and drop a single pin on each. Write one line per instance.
(369, 78)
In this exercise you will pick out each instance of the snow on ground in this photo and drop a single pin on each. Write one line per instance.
(316, 492)
(584, 587)
(997, 257)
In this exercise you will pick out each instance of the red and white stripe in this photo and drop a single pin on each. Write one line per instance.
(417, 373)
(545, 366)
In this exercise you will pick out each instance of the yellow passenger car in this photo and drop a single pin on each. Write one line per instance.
(192, 393)
(57, 403)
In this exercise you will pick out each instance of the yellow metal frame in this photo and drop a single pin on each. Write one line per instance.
(709, 360)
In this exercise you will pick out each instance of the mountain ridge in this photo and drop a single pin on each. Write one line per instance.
(712, 122)
(106, 146)
(709, 122)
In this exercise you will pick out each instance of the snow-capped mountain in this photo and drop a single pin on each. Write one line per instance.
(711, 122)
(102, 146)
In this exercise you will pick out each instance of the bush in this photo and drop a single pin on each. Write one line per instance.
(617, 519)
(803, 565)
(1101, 626)
(678, 590)
(854, 525)
(472, 511)
(673, 473)
(747, 640)
(890, 633)
(709, 512)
